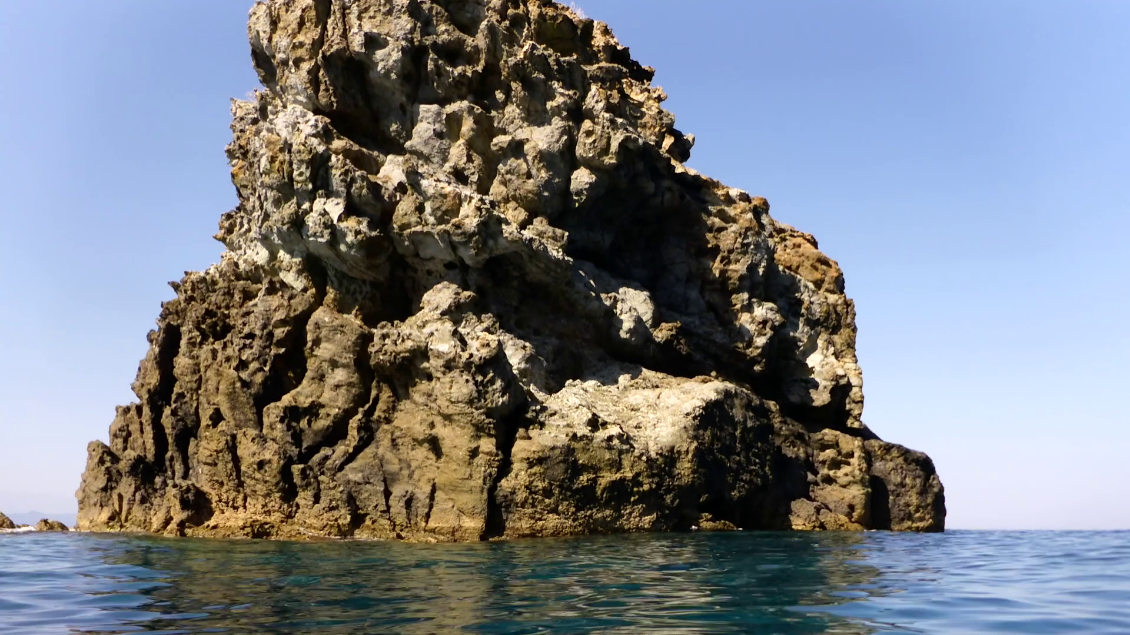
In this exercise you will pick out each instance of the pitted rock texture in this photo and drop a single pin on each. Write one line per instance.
(472, 291)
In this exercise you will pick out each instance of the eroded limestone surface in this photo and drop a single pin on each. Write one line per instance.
(472, 291)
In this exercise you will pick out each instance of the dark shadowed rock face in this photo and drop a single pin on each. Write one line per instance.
(472, 291)
(6, 523)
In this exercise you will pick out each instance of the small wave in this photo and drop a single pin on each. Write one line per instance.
(19, 530)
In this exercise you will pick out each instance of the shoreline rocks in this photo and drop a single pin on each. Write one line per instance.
(44, 525)
(472, 291)
(51, 526)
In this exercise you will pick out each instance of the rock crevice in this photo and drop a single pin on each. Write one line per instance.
(472, 291)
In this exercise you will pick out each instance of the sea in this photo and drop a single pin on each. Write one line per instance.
(960, 582)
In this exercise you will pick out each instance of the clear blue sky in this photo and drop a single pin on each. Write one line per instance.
(968, 164)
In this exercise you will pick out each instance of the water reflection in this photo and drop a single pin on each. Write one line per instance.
(976, 583)
(736, 583)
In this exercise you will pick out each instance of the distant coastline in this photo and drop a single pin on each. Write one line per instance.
(32, 517)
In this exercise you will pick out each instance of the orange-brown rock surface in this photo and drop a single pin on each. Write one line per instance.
(472, 291)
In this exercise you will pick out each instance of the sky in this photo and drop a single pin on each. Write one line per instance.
(967, 163)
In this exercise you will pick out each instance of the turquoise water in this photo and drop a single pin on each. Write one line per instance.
(789, 584)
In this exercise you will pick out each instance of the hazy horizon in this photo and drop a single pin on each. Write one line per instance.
(965, 164)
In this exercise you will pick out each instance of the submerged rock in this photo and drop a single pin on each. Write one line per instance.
(6, 523)
(50, 525)
(472, 291)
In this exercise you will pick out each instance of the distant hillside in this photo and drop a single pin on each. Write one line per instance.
(30, 518)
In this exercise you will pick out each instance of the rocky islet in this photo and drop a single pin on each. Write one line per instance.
(51, 525)
(472, 291)
(8, 525)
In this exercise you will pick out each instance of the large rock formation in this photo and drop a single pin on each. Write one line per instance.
(472, 291)
(6, 523)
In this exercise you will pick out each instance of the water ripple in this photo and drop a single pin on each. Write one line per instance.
(785, 584)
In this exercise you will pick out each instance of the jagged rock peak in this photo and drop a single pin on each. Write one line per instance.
(472, 291)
